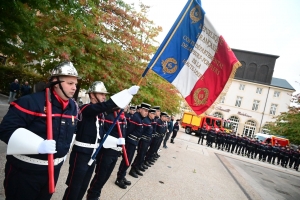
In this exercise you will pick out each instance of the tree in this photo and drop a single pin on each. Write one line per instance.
(106, 40)
(287, 124)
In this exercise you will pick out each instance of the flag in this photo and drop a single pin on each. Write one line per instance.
(195, 58)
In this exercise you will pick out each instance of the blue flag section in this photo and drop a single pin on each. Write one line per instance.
(179, 42)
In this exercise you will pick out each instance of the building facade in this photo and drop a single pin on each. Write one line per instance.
(255, 97)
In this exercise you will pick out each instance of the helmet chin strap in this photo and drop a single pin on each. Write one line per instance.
(61, 88)
(98, 101)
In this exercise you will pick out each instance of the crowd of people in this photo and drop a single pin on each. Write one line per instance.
(251, 148)
(80, 130)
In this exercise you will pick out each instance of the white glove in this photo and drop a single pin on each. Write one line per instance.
(121, 141)
(133, 89)
(47, 146)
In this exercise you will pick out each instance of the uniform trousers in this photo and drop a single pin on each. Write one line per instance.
(26, 184)
(151, 150)
(79, 176)
(167, 136)
(141, 153)
(130, 149)
(105, 164)
(175, 134)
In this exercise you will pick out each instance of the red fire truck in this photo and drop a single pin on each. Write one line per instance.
(193, 123)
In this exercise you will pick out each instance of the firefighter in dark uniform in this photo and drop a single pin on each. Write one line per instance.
(144, 143)
(281, 153)
(129, 115)
(233, 142)
(286, 157)
(275, 153)
(107, 156)
(133, 135)
(269, 153)
(24, 130)
(263, 152)
(250, 148)
(151, 155)
(212, 136)
(89, 132)
(294, 158)
(202, 133)
(175, 130)
(256, 148)
(242, 145)
(161, 129)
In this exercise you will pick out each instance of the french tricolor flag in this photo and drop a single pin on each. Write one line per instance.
(195, 58)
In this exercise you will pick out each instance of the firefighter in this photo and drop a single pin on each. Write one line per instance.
(144, 142)
(202, 133)
(24, 130)
(88, 135)
(175, 130)
(133, 135)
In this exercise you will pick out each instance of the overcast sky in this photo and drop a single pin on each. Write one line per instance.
(264, 26)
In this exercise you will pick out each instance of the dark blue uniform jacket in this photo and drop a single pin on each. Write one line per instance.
(28, 112)
(86, 127)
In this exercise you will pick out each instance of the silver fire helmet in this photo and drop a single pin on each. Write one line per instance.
(65, 69)
(97, 87)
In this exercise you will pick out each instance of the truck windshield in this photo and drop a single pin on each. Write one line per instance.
(227, 125)
(218, 123)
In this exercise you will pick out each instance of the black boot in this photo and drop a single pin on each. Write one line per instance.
(120, 183)
(138, 172)
(133, 173)
(126, 182)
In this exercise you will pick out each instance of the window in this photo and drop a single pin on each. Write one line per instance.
(255, 105)
(218, 114)
(235, 122)
(258, 90)
(273, 109)
(276, 94)
(249, 128)
(242, 87)
(222, 99)
(238, 101)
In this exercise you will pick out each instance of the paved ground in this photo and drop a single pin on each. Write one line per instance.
(187, 170)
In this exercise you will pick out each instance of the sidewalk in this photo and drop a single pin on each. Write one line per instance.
(184, 171)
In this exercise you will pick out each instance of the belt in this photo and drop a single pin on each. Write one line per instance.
(117, 148)
(86, 145)
(38, 161)
(145, 137)
(132, 137)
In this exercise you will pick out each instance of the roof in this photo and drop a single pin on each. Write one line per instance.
(282, 83)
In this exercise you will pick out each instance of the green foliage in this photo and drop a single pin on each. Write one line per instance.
(106, 40)
(287, 124)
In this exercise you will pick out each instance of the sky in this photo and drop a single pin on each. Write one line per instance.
(263, 26)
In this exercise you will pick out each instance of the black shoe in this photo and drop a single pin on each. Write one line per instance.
(147, 164)
(144, 166)
(133, 173)
(150, 162)
(138, 172)
(120, 183)
(142, 169)
(126, 182)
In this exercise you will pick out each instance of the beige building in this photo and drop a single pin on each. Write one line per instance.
(250, 105)
(255, 97)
